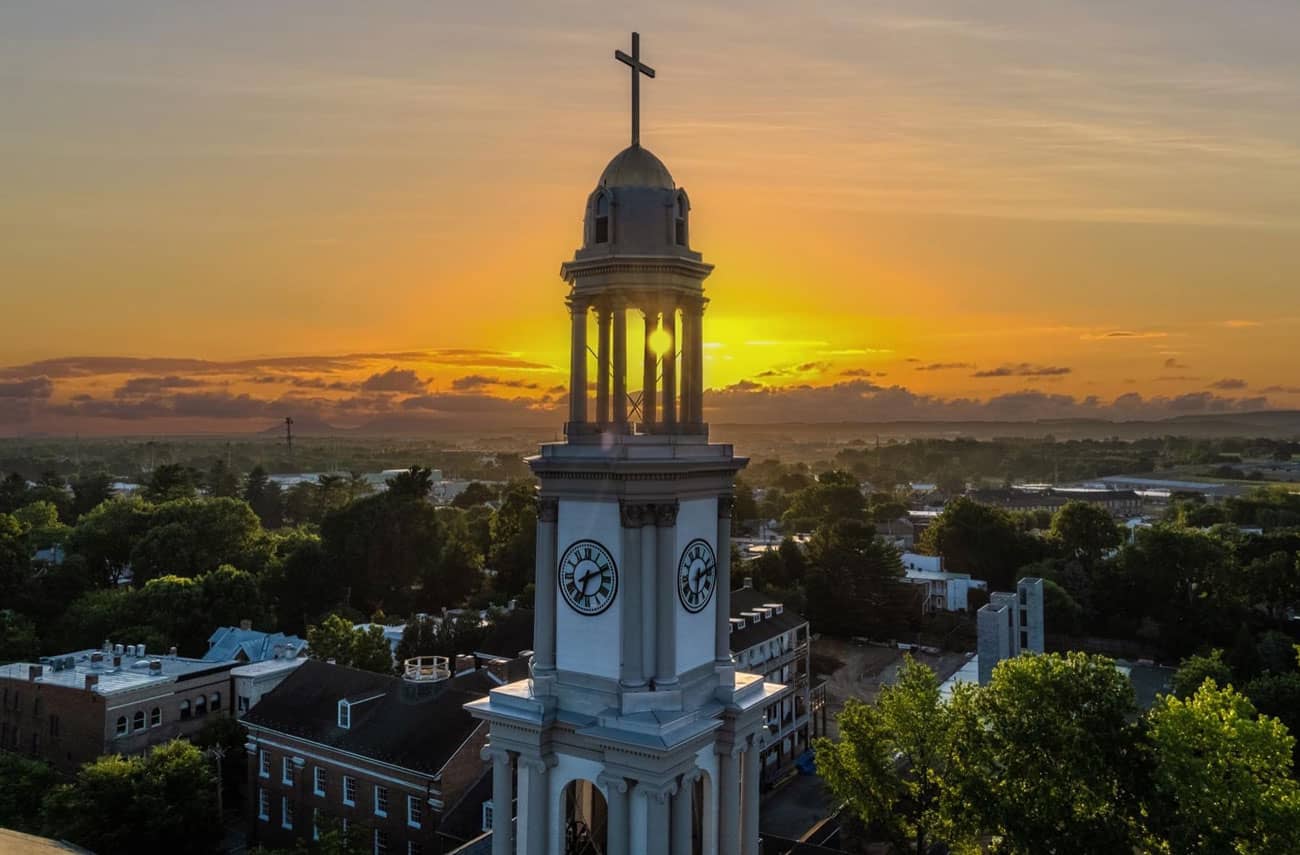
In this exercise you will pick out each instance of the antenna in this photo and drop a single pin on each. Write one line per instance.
(288, 433)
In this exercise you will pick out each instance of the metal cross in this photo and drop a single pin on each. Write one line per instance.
(638, 68)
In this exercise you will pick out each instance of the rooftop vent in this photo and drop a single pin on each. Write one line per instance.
(155, 666)
(752, 617)
(118, 649)
(92, 680)
(35, 672)
(464, 663)
(737, 623)
(96, 661)
(426, 669)
(765, 611)
(139, 650)
(776, 608)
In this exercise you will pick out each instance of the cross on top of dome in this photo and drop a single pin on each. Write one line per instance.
(638, 68)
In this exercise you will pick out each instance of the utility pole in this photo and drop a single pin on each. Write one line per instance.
(288, 433)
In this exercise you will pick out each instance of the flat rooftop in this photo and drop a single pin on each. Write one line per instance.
(133, 673)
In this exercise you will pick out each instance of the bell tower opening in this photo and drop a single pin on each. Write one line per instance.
(585, 818)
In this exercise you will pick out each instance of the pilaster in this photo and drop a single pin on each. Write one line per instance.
(729, 799)
(548, 514)
(752, 762)
(658, 798)
(666, 609)
(632, 517)
(503, 811)
(683, 813)
(534, 772)
(616, 799)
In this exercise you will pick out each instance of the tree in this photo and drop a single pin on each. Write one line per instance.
(460, 568)
(414, 483)
(852, 580)
(172, 481)
(18, 641)
(334, 638)
(89, 492)
(26, 782)
(382, 545)
(1049, 762)
(833, 498)
(15, 560)
(164, 801)
(514, 539)
(1195, 670)
(1274, 583)
(189, 537)
(1085, 531)
(371, 650)
(891, 763)
(264, 497)
(222, 481)
(300, 582)
(475, 493)
(981, 540)
(106, 536)
(41, 524)
(1222, 776)
(13, 493)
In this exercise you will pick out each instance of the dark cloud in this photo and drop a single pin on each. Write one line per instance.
(299, 381)
(795, 370)
(32, 388)
(479, 381)
(1170, 378)
(1173, 364)
(395, 379)
(1023, 369)
(1285, 390)
(1229, 383)
(861, 372)
(943, 366)
(138, 387)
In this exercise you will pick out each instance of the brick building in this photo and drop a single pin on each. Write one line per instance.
(71, 709)
(395, 755)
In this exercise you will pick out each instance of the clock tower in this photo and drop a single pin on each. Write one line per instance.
(636, 733)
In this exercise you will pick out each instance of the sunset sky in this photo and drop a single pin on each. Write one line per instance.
(217, 214)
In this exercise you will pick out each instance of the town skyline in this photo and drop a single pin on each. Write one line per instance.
(950, 213)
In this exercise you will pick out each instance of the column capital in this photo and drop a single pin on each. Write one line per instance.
(578, 304)
(494, 755)
(665, 514)
(537, 765)
(548, 509)
(690, 776)
(634, 514)
(614, 783)
(661, 793)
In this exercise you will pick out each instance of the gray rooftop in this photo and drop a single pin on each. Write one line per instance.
(71, 670)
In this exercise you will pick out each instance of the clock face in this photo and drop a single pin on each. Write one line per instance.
(588, 577)
(697, 575)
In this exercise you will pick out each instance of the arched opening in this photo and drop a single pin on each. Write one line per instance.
(586, 818)
(703, 815)
(601, 225)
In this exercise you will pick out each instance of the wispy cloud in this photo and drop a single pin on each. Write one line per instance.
(1024, 369)
(1229, 383)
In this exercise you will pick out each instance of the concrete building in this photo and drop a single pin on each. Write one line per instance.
(398, 756)
(769, 639)
(944, 591)
(1010, 624)
(253, 681)
(120, 699)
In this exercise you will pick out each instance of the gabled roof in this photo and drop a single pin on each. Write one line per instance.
(250, 645)
(748, 600)
(414, 726)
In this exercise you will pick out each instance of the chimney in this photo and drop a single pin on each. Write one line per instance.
(139, 650)
(498, 668)
(464, 663)
(92, 680)
(245, 624)
(155, 667)
(172, 652)
(130, 651)
(34, 672)
(117, 660)
(96, 661)
(118, 650)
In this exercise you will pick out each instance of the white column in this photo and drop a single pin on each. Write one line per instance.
(722, 633)
(503, 811)
(632, 674)
(548, 511)
(666, 611)
(649, 592)
(602, 366)
(620, 367)
(578, 365)
(616, 798)
(729, 801)
(535, 771)
(752, 762)
(657, 815)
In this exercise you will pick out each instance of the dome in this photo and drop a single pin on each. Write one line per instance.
(636, 167)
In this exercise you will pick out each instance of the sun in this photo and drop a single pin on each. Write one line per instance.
(660, 341)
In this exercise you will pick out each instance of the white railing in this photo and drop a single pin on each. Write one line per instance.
(426, 669)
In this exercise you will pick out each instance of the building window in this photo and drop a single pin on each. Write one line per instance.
(602, 219)
(243, 703)
(487, 815)
(414, 848)
(318, 781)
(200, 706)
(286, 812)
(137, 720)
(121, 725)
(381, 841)
(345, 715)
(414, 812)
(286, 770)
(349, 790)
(381, 801)
(185, 710)
(155, 716)
(264, 763)
(215, 702)
(263, 804)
